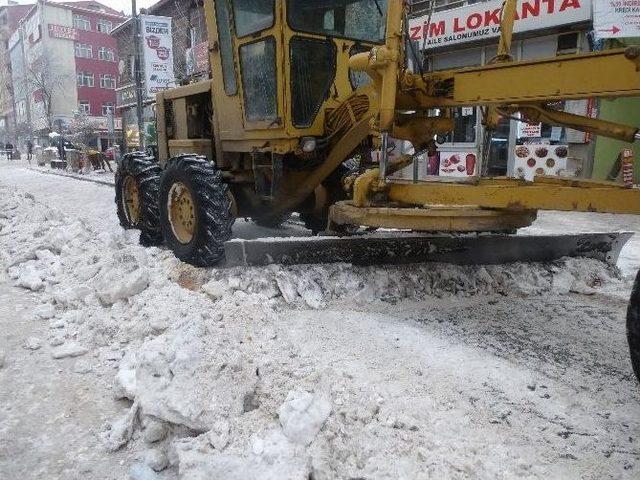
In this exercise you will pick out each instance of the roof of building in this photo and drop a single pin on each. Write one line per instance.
(93, 6)
(15, 14)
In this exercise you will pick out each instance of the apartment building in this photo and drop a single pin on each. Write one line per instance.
(65, 65)
(10, 16)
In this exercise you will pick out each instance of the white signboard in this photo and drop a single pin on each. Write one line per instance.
(528, 130)
(157, 44)
(482, 20)
(616, 18)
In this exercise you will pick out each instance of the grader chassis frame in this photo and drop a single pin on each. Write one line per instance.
(272, 165)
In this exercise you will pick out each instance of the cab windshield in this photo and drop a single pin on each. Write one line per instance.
(363, 20)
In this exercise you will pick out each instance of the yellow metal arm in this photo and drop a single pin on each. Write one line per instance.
(518, 195)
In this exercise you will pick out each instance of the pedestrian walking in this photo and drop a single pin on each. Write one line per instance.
(29, 151)
(9, 150)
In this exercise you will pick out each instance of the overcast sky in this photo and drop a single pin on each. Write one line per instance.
(120, 5)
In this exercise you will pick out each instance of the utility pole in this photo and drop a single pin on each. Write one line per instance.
(137, 44)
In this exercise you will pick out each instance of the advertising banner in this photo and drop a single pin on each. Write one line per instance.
(616, 18)
(198, 59)
(60, 31)
(458, 164)
(540, 159)
(481, 21)
(157, 45)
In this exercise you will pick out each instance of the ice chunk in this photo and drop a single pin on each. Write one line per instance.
(302, 416)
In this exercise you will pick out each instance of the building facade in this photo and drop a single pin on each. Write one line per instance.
(64, 70)
(10, 16)
(466, 33)
(190, 53)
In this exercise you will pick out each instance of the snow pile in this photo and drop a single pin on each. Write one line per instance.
(231, 377)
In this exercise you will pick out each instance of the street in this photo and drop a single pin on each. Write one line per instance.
(119, 360)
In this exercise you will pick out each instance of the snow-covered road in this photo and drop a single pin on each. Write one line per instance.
(319, 372)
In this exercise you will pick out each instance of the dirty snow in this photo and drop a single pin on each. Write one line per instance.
(428, 371)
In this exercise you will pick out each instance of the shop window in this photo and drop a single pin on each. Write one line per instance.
(568, 43)
(499, 153)
(465, 126)
(226, 48)
(258, 66)
(252, 16)
(542, 47)
(464, 58)
(312, 74)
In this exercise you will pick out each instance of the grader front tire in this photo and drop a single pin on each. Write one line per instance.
(137, 185)
(633, 327)
(196, 212)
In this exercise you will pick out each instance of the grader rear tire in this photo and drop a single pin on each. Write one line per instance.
(633, 327)
(196, 212)
(137, 185)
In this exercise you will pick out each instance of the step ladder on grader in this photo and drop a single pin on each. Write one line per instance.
(304, 100)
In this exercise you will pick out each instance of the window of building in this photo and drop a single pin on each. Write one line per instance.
(84, 50)
(84, 107)
(85, 79)
(81, 22)
(104, 26)
(108, 108)
(251, 16)
(108, 82)
(107, 54)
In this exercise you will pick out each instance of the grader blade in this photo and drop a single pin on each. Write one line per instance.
(396, 248)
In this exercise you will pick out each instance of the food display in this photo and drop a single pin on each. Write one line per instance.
(541, 152)
(458, 164)
(562, 152)
(538, 159)
(522, 151)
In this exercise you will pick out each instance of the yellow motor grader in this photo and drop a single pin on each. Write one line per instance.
(298, 117)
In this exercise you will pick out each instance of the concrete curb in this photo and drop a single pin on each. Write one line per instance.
(74, 177)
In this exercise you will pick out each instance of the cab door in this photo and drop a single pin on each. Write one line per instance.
(257, 27)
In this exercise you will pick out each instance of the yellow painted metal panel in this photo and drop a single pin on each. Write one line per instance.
(518, 195)
(577, 76)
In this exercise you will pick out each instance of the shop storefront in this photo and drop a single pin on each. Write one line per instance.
(468, 36)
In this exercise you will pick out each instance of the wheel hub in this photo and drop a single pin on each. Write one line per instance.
(181, 208)
(131, 195)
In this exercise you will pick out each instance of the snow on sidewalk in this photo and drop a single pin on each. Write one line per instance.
(333, 371)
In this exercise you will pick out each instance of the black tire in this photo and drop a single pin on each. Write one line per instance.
(633, 327)
(212, 210)
(145, 172)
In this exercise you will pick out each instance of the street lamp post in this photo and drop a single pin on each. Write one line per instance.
(137, 43)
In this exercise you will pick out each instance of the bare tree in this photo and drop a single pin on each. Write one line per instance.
(45, 79)
(82, 130)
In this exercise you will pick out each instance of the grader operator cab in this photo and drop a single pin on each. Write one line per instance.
(305, 99)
